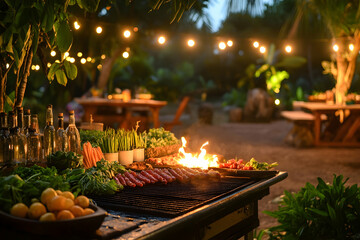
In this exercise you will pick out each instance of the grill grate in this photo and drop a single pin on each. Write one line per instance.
(173, 199)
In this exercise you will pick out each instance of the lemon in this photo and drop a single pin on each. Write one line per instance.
(47, 195)
(64, 215)
(77, 211)
(82, 201)
(88, 211)
(47, 217)
(19, 210)
(36, 210)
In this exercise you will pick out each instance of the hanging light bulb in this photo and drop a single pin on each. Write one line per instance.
(262, 49)
(256, 44)
(351, 47)
(125, 54)
(99, 30)
(53, 53)
(288, 48)
(222, 45)
(230, 43)
(79, 54)
(127, 33)
(335, 47)
(161, 40)
(76, 25)
(83, 61)
(191, 43)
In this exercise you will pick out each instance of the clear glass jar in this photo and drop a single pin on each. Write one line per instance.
(35, 154)
(18, 142)
(61, 137)
(73, 135)
(5, 158)
(49, 133)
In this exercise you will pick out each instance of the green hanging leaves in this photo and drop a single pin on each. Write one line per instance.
(88, 5)
(54, 68)
(70, 70)
(64, 36)
(61, 77)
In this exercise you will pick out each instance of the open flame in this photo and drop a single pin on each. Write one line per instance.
(197, 160)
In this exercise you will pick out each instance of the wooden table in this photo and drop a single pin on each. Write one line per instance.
(342, 127)
(94, 106)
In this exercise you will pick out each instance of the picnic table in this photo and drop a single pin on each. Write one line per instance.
(342, 127)
(121, 111)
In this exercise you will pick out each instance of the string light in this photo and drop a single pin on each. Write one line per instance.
(277, 101)
(288, 48)
(99, 30)
(83, 61)
(335, 47)
(79, 54)
(76, 25)
(351, 47)
(230, 43)
(48, 65)
(125, 54)
(222, 46)
(256, 44)
(32, 67)
(68, 59)
(88, 59)
(72, 60)
(191, 43)
(136, 29)
(103, 56)
(127, 33)
(57, 61)
(99, 67)
(66, 54)
(161, 40)
(53, 53)
(262, 49)
(7, 66)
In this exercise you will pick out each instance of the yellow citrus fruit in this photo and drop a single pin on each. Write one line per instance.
(64, 215)
(88, 211)
(47, 195)
(36, 210)
(77, 211)
(19, 210)
(57, 203)
(68, 194)
(82, 201)
(47, 217)
(68, 203)
(59, 192)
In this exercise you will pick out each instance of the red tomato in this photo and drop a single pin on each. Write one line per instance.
(240, 161)
(231, 161)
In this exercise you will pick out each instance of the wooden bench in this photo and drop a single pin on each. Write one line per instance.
(301, 135)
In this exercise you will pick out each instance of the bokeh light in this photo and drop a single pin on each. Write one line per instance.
(127, 33)
(335, 47)
(288, 48)
(53, 53)
(222, 45)
(262, 49)
(99, 30)
(230, 43)
(256, 44)
(76, 25)
(161, 40)
(125, 54)
(191, 43)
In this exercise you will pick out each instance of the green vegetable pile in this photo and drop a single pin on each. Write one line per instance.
(91, 136)
(27, 183)
(322, 212)
(263, 166)
(158, 137)
(63, 160)
(97, 180)
(109, 142)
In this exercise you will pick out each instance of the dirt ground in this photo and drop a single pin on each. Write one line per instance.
(265, 142)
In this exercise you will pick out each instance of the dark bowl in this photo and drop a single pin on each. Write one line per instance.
(85, 224)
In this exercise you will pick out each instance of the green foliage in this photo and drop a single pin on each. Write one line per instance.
(91, 136)
(63, 160)
(322, 212)
(262, 166)
(109, 142)
(126, 140)
(236, 97)
(158, 137)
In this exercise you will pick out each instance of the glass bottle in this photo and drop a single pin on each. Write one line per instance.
(61, 137)
(20, 118)
(5, 158)
(73, 135)
(34, 143)
(49, 133)
(27, 121)
(18, 142)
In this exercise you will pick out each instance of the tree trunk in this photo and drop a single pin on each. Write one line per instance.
(346, 63)
(23, 80)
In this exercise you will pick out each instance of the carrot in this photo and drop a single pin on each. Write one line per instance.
(86, 157)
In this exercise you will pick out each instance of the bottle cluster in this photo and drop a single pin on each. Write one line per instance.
(22, 143)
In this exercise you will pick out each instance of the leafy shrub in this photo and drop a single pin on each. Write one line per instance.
(322, 212)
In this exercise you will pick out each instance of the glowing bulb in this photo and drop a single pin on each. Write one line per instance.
(37, 67)
(99, 30)
(161, 40)
(277, 90)
(57, 61)
(127, 33)
(83, 61)
(53, 53)
(79, 54)
(288, 48)
(191, 43)
(136, 29)
(93, 60)
(230, 43)
(222, 45)
(88, 59)
(256, 44)
(99, 67)
(351, 47)
(277, 101)
(103, 56)
(66, 54)
(32, 67)
(76, 25)
(7, 66)
(125, 54)
(72, 60)
(335, 47)
(68, 59)
(48, 65)
(262, 49)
